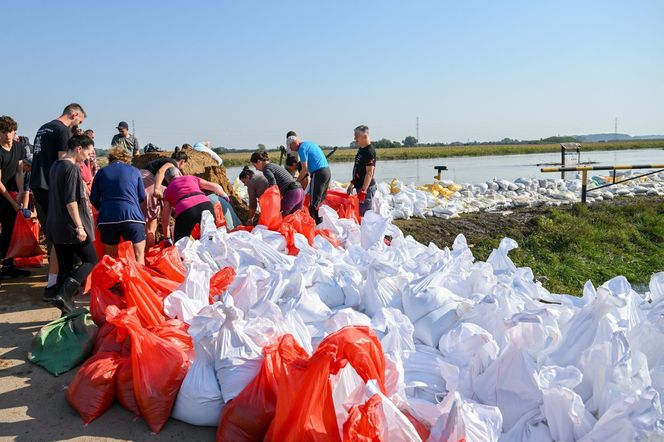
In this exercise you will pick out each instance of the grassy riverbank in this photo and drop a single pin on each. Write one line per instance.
(564, 246)
(410, 153)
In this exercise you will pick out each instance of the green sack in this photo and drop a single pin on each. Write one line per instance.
(64, 343)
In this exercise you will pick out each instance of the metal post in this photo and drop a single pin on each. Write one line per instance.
(562, 161)
(584, 185)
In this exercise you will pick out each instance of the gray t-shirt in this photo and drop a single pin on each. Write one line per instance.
(257, 185)
(130, 142)
(66, 187)
(276, 174)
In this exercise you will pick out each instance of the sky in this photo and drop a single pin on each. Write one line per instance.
(243, 73)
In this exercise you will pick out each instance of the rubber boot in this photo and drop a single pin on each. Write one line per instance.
(64, 300)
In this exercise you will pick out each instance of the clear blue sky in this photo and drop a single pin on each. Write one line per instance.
(245, 72)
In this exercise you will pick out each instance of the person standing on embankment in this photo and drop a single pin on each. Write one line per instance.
(363, 170)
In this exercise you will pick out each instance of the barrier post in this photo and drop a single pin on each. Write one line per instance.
(584, 185)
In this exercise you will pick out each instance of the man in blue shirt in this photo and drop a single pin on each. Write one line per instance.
(314, 164)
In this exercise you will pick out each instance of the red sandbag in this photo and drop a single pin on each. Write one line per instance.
(24, 242)
(175, 331)
(243, 228)
(220, 281)
(32, 262)
(270, 204)
(92, 390)
(303, 223)
(346, 206)
(328, 235)
(220, 219)
(166, 260)
(158, 365)
(100, 298)
(305, 409)
(107, 340)
(363, 422)
(248, 416)
(125, 388)
(100, 248)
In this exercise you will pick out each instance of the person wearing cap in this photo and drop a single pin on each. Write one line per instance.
(314, 165)
(364, 169)
(125, 139)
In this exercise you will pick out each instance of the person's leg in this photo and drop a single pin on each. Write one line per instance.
(135, 232)
(185, 221)
(86, 253)
(66, 259)
(368, 200)
(7, 222)
(292, 201)
(41, 204)
(320, 181)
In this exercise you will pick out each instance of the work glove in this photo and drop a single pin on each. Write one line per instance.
(362, 195)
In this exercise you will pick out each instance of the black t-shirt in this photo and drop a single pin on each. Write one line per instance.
(9, 165)
(51, 138)
(366, 156)
(154, 166)
(67, 187)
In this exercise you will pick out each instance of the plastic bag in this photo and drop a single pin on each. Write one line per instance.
(24, 242)
(221, 280)
(33, 261)
(346, 206)
(100, 298)
(64, 343)
(466, 421)
(158, 365)
(270, 204)
(165, 260)
(125, 387)
(305, 407)
(92, 390)
(248, 416)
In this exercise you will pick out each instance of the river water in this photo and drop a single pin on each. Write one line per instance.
(480, 169)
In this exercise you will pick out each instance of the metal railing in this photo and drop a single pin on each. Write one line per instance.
(584, 174)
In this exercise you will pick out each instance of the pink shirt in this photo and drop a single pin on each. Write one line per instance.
(86, 173)
(178, 189)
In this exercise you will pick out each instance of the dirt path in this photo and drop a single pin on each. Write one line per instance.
(33, 406)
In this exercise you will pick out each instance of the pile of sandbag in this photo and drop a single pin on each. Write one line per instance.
(363, 337)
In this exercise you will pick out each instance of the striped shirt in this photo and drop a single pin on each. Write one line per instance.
(276, 174)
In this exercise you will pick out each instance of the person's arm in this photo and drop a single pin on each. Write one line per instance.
(72, 208)
(140, 187)
(213, 187)
(166, 219)
(158, 178)
(6, 194)
(95, 197)
(368, 177)
(20, 181)
(304, 173)
(269, 176)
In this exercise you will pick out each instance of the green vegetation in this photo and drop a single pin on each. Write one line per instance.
(565, 246)
(409, 153)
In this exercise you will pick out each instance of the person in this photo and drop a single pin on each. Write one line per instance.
(364, 169)
(153, 180)
(70, 222)
(92, 162)
(49, 145)
(86, 170)
(291, 191)
(315, 164)
(11, 180)
(205, 148)
(27, 201)
(256, 184)
(117, 193)
(185, 195)
(125, 139)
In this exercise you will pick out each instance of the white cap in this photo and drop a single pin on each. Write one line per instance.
(289, 141)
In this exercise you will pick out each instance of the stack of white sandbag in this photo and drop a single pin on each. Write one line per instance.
(474, 350)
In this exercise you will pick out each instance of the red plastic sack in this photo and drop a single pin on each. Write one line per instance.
(158, 365)
(346, 206)
(100, 298)
(24, 242)
(125, 388)
(166, 260)
(220, 219)
(100, 248)
(305, 409)
(248, 416)
(363, 422)
(330, 236)
(243, 228)
(33, 261)
(92, 390)
(107, 340)
(175, 331)
(221, 280)
(270, 204)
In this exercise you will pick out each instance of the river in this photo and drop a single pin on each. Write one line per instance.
(480, 169)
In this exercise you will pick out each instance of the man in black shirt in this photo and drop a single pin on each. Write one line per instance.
(364, 169)
(51, 144)
(11, 180)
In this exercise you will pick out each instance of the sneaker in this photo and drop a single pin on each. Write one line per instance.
(50, 293)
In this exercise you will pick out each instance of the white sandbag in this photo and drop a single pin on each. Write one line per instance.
(421, 297)
(192, 296)
(237, 358)
(466, 420)
(498, 258)
(432, 326)
(531, 426)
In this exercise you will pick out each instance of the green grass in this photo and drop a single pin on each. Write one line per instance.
(405, 153)
(565, 246)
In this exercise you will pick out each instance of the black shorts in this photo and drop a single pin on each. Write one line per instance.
(130, 231)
